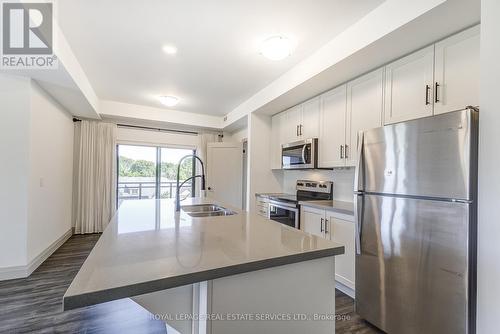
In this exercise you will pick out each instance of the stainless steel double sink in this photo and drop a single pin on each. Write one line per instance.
(206, 210)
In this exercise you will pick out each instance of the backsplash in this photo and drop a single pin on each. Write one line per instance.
(343, 180)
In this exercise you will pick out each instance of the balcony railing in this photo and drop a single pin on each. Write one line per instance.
(147, 189)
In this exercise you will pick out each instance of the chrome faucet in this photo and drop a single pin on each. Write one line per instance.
(202, 176)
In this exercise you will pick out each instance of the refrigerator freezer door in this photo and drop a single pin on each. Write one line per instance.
(412, 273)
(429, 157)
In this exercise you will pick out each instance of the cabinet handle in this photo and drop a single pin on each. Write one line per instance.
(341, 151)
(436, 98)
(427, 89)
(346, 150)
(300, 127)
(321, 228)
(326, 222)
(297, 130)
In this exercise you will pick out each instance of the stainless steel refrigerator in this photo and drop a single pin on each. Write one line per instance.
(415, 213)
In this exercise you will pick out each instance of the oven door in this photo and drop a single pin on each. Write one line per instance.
(284, 214)
(300, 154)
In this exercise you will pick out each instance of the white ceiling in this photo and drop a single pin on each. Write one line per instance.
(217, 67)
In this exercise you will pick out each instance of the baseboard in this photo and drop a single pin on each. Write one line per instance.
(24, 271)
(345, 289)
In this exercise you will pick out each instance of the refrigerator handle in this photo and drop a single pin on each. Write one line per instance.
(357, 173)
(358, 220)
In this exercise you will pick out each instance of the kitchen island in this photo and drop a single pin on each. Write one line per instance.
(239, 273)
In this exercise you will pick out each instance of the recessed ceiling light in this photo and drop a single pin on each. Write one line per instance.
(169, 101)
(170, 49)
(276, 48)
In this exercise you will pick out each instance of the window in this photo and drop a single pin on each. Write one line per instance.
(150, 172)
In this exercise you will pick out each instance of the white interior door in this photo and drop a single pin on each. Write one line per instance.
(225, 173)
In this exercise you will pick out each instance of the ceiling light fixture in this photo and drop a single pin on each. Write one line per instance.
(170, 49)
(276, 48)
(169, 101)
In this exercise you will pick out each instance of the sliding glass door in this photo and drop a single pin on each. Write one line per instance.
(146, 172)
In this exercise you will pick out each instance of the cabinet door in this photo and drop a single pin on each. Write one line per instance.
(457, 72)
(343, 232)
(409, 86)
(310, 119)
(332, 128)
(364, 109)
(277, 137)
(293, 121)
(312, 221)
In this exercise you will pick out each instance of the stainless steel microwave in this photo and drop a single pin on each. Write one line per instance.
(300, 154)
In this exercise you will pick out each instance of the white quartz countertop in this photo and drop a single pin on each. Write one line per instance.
(148, 247)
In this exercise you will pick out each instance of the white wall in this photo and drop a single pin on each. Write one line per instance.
(36, 142)
(343, 181)
(260, 176)
(489, 175)
(237, 135)
(14, 168)
(51, 172)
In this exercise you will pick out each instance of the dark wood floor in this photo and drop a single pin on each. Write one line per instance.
(33, 304)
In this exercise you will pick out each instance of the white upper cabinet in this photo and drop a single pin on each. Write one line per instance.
(278, 123)
(409, 87)
(331, 143)
(457, 72)
(440, 78)
(292, 124)
(309, 127)
(365, 98)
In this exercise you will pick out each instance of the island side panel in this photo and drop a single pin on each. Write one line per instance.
(172, 305)
(304, 288)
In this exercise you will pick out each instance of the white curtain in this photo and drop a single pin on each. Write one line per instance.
(94, 199)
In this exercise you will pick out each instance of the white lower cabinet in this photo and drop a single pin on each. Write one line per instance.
(312, 221)
(262, 205)
(343, 232)
(336, 227)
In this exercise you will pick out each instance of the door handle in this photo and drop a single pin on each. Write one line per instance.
(436, 98)
(357, 172)
(358, 220)
(341, 151)
(321, 228)
(427, 89)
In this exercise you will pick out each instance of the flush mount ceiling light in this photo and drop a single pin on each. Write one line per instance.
(276, 48)
(169, 101)
(170, 49)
